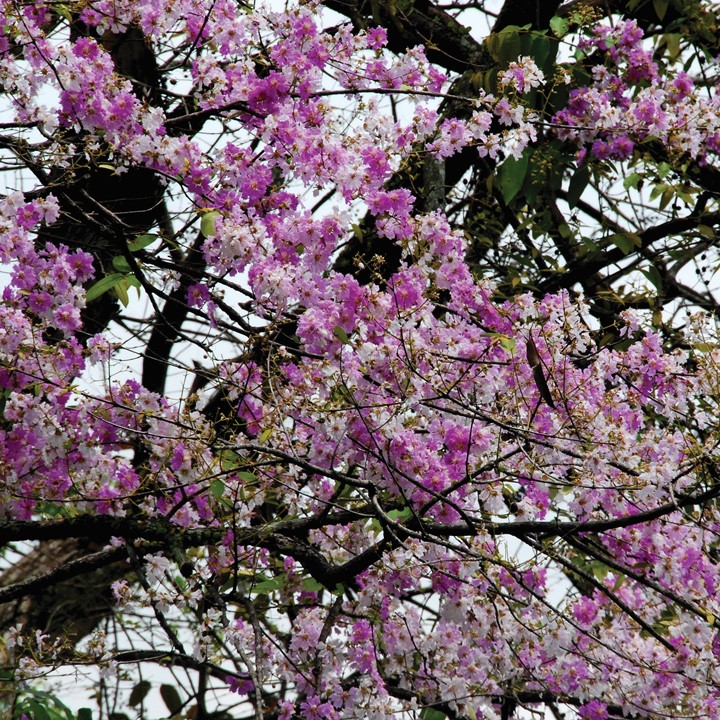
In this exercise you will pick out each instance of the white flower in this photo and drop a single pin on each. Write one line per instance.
(522, 75)
(155, 567)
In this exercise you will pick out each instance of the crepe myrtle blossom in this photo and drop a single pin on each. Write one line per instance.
(521, 75)
(365, 483)
(631, 100)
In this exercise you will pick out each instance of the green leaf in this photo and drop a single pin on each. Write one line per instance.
(217, 488)
(139, 693)
(657, 320)
(490, 81)
(578, 182)
(121, 264)
(658, 190)
(141, 242)
(619, 582)
(540, 48)
(505, 46)
(667, 197)
(374, 526)
(267, 586)
(626, 242)
(510, 48)
(228, 459)
(84, 714)
(429, 713)
(207, 223)
(663, 170)
(506, 342)
(477, 80)
(706, 231)
(171, 698)
(121, 290)
(341, 335)
(654, 276)
(247, 476)
(632, 180)
(35, 710)
(63, 11)
(512, 176)
(134, 281)
(42, 705)
(312, 585)
(559, 26)
(103, 285)
(672, 42)
(661, 7)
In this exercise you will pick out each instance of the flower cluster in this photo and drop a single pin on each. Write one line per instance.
(521, 75)
(375, 463)
(631, 101)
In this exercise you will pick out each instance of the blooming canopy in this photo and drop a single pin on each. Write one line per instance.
(321, 376)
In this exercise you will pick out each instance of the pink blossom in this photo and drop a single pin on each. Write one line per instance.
(313, 709)
(593, 710)
(376, 38)
(522, 75)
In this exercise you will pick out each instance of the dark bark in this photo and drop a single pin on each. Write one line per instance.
(169, 321)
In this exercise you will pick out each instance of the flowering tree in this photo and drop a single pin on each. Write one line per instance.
(359, 361)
